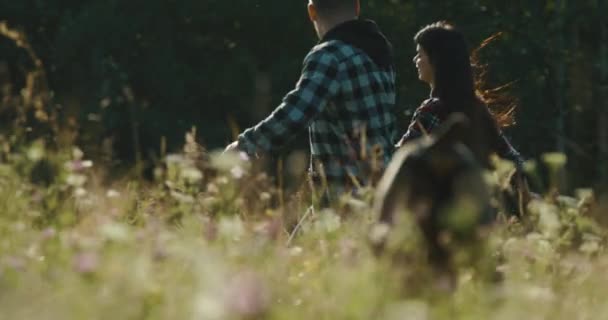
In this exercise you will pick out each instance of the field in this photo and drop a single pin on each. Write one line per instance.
(207, 240)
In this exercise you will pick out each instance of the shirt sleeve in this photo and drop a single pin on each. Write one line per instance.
(423, 122)
(317, 85)
(507, 151)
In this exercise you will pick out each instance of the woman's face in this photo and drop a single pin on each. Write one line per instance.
(425, 69)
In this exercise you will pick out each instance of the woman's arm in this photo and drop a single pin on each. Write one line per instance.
(424, 121)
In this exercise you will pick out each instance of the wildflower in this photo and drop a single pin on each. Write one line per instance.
(237, 172)
(183, 198)
(212, 188)
(115, 232)
(328, 222)
(112, 194)
(270, 228)
(412, 309)
(78, 165)
(295, 251)
(265, 196)
(192, 175)
(36, 151)
(80, 192)
(48, 233)
(555, 160)
(210, 230)
(15, 263)
(76, 180)
(209, 307)
(231, 228)
(86, 263)
(247, 296)
(379, 233)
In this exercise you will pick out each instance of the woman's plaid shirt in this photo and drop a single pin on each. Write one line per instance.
(431, 115)
(346, 101)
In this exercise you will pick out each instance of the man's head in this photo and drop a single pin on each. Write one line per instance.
(325, 14)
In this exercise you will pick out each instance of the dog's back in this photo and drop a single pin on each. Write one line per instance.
(439, 183)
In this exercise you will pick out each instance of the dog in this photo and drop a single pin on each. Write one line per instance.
(437, 183)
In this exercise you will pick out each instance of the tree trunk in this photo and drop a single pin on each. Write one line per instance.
(560, 73)
(603, 99)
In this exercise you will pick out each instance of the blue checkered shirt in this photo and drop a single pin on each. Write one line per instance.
(346, 101)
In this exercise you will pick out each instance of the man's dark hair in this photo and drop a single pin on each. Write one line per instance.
(332, 7)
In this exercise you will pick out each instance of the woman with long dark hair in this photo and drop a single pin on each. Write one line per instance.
(444, 62)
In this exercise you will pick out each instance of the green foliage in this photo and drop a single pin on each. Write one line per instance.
(133, 72)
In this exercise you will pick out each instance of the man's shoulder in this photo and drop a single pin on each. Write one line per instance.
(335, 49)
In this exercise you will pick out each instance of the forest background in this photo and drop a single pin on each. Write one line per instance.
(125, 74)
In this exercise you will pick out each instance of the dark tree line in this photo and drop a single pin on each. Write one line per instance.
(126, 73)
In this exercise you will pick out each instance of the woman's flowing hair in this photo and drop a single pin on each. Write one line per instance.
(459, 78)
(501, 105)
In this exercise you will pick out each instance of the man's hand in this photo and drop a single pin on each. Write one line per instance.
(232, 147)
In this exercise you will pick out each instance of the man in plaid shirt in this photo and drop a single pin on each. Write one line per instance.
(345, 97)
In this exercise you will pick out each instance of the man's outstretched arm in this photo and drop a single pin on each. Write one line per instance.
(316, 86)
